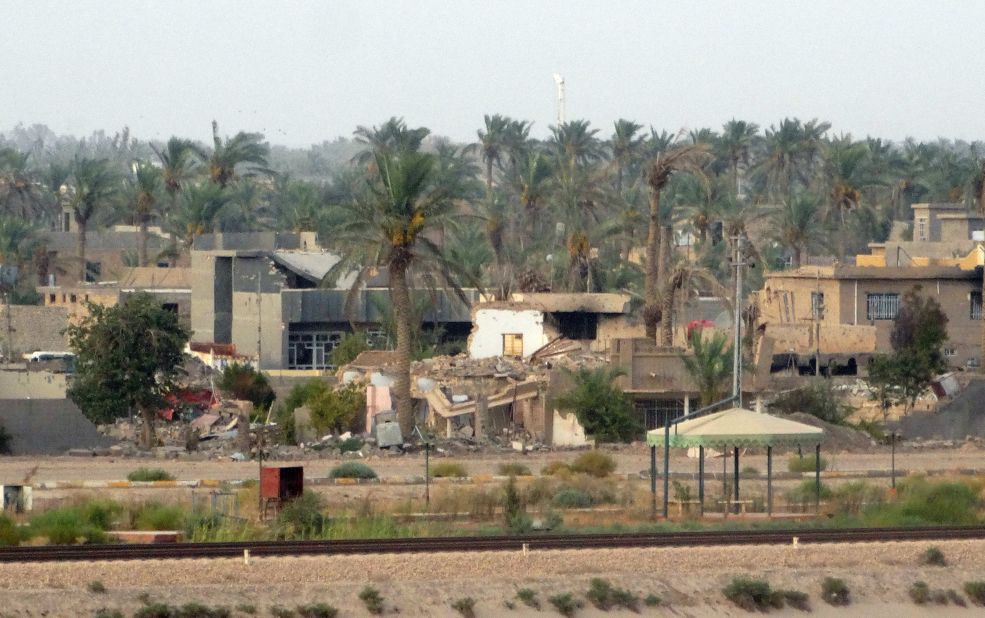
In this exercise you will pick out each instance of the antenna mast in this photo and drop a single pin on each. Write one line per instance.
(559, 81)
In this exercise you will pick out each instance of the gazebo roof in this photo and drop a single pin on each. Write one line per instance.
(738, 427)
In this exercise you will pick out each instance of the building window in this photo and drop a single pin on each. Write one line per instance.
(311, 350)
(73, 299)
(513, 345)
(881, 306)
(922, 229)
(950, 352)
(976, 305)
(52, 299)
(817, 305)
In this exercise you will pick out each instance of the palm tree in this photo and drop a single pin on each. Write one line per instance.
(144, 187)
(19, 193)
(687, 158)
(93, 187)
(391, 138)
(534, 183)
(784, 145)
(492, 143)
(626, 148)
(388, 227)
(17, 240)
(709, 365)
(687, 279)
(575, 143)
(246, 150)
(797, 225)
(197, 211)
(734, 145)
(179, 159)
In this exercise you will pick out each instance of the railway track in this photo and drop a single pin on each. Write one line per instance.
(482, 543)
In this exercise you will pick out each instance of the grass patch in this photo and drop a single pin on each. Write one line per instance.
(96, 587)
(556, 468)
(751, 594)
(652, 600)
(933, 556)
(281, 612)
(565, 604)
(146, 475)
(604, 596)
(975, 591)
(796, 599)
(805, 493)
(571, 498)
(103, 612)
(512, 469)
(352, 470)
(350, 445)
(806, 463)
(448, 469)
(372, 599)
(924, 503)
(835, 592)
(317, 610)
(8, 532)
(154, 516)
(749, 471)
(198, 610)
(594, 463)
(86, 523)
(529, 597)
(246, 608)
(465, 607)
(919, 593)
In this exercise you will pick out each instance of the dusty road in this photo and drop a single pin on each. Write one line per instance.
(688, 579)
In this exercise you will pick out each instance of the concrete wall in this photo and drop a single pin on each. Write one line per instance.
(650, 369)
(47, 426)
(486, 340)
(33, 328)
(21, 384)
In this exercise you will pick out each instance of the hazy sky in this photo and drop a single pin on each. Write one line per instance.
(303, 72)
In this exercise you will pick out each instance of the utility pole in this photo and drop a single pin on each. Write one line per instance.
(10, 328)
(259, 323)
(739, 262)
(816, 315)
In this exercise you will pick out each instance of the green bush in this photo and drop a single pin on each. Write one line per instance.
(933, 556)
(373, 600)
(246, 608)
(149, 474)
(571, 498)
(96, 587)
(448, 469)
(594, 463)
(317, 610)
(750, 594)
(919, 593)
(604, 596)
(352, 470)
(652, 600)
(565, 604)
(156, 610)
(940, 503)
(805, 463)
(197, 610)
(602, 408)
(556, 468)
(512, 469)
(749, 471)
(975, 591)
(796, 599)
(160, 517)
(529, 597)
(300, 518)
(465, 607)
(805, 493)
(8, 532)
(245, 382)
(69, 525)
(348, 348)
(351, 445)
(818, 399)
(338, 409)
(835, 591)
(856, 496)
(514, 510)
(281, 612)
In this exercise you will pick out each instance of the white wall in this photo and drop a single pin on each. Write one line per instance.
(486, 340)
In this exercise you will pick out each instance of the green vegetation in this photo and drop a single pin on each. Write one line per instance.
(246, 383)
(601, 407)
(351, 346)
(975, 591)
(919, 593)
(709, 364)
(9, 535)
(246, 608)
(835, 592)
(107, 613)
(818, 399)
(352, 470)
(153, 516)
(652, 600)
(604, 596)
(565, 604)
(752, 594)
(807, 463)
(797, 599)
(373, 600)
(594, 463)
(933, 556)
(448, 469)
(465, 607)
(149, 474)
(512, 469)
(96, 587)
(556, 468)
(351, 445)
(514, 510)
(317, 610)
(128, 357)
(282, 612)
(529, 597)
(572, 498)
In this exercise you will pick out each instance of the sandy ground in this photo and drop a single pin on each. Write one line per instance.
(628, 459)
(688, 579)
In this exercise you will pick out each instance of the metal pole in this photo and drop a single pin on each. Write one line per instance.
(653, 482)
(817, 478)
(701, 480)
(427, 475)
(666, 464)
(769, 481)
(735, 480)
(259, 324)
(892, 439)
(725, 480)
(737, 326)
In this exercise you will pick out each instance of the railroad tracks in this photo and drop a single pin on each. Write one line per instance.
(482, 543)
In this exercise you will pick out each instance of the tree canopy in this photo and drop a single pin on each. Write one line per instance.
(601, 407)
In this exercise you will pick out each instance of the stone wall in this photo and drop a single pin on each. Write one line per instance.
(33, 328)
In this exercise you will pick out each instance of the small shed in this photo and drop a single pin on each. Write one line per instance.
(741, 428)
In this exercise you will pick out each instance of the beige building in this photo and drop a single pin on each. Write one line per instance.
(171, 286)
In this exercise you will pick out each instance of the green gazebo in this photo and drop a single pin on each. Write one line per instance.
(740, 428)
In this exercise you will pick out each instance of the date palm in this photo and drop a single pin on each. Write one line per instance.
(19, 193)
(391, 138)
(197, 212)
(689, 158)
(389, 227)
(797, 225)
(491, 145)
(709, 365)
(144, 187)
(574, 143)
(248, 151)
(93, 187)
(734, 145)
(626, 147)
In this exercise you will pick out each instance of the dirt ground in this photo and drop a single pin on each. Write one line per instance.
(632, 459)
(689, 580)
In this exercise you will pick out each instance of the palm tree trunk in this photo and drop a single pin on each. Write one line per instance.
(147, 432)
(400, 295)
(796, 257)
(81, 248)
(142, 241)
(667, 315)
(651, 298)
(489, 166)
(664, 257)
